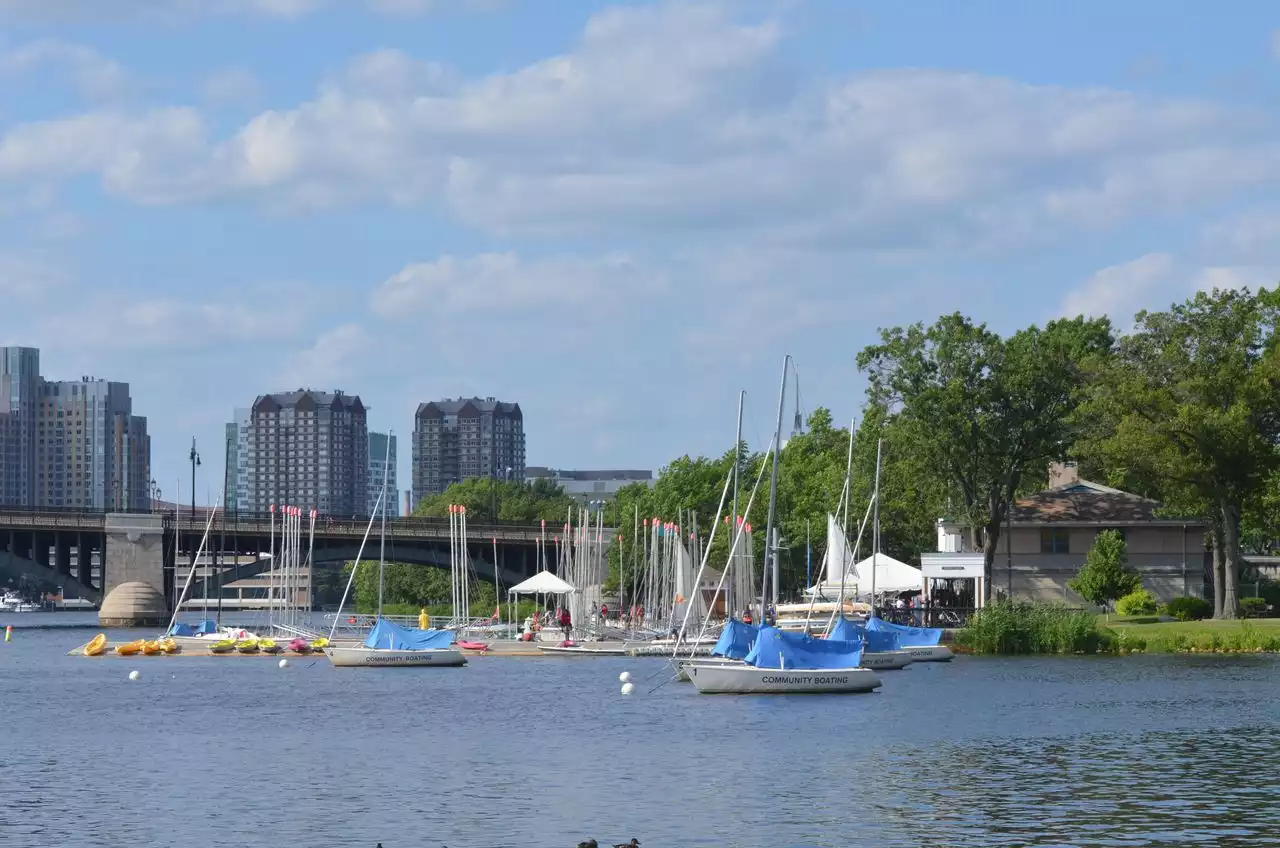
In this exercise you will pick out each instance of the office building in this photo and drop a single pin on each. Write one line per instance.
(461, 438)
(92, 452)
(237, 469)
(19, 391)
(309, 449)
(379, 445)
(588, 486)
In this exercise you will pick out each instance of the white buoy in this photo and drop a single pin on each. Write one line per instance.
(627, 688)
(284, 663)
(624, 677)
(133, 675)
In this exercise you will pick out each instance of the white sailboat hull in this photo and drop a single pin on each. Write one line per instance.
(886, 660)
(930, 653)
(365, 657)
(683, 666)
(740, 679)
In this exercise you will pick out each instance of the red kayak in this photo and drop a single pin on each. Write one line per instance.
(473, 646)
(299, 646)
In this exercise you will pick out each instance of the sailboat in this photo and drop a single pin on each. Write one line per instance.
(388, 643)
(780, 662)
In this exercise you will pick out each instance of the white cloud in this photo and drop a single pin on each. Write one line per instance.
(231, 85)
(147, 322)
(337, 355)
(31, 276)
(79, 11)
(96, 76)
(1252, 234)
(502, 282)
(1120, 290)
(676, 118)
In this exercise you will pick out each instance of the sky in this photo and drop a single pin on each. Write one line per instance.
(618, 215)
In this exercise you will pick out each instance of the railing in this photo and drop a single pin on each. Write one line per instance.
(930, 616)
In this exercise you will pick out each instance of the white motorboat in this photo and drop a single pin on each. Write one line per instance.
(743, 679)
(360, 656)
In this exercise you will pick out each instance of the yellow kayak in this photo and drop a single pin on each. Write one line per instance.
(320, 644)
(248, 646)
(150, 649)
(128, 649)
(224, 646)
(169, 646)
(269, 646)
(96, 646)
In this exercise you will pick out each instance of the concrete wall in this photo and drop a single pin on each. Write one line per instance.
(135, 551)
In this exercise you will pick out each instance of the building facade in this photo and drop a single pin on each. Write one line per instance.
(237, 469)
(308, 449)
(1050, 534)
(19, 393)
(588, 486)
(461, 438)
(382, 459)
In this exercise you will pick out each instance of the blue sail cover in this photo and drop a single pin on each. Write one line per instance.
(735, 640)
(388, 635)
(908, 637)
(844, 630)
(181, 629)
(777, 649)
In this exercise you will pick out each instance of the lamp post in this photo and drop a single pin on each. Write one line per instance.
(194, 456)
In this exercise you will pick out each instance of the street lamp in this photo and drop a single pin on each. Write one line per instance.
(195, 462)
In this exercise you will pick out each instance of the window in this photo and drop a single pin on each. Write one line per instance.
(1054, 541)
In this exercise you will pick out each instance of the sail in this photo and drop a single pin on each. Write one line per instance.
(688, 595)
(777, 649)
(387, 635)
(735, 640)
(908, 637)
(837, 557)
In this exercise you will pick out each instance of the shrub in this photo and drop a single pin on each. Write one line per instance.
(1020, 628)
(1105, 575)
(1253, 607)
(1188, 608)
(1139, 602)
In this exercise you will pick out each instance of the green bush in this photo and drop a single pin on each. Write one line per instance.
(1020, 628)
(1188, 608)
(1253, 607)
(1139, 602)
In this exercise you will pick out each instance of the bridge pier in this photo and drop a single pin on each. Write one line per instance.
(133, 572)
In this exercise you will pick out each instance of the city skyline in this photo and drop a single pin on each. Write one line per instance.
(618, 213)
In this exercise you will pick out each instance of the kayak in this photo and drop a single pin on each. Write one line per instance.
(473, 646)
(269, 646)
(150, 649)
(226, 646)
(300, 646)
(248, 646)
(169, 646)
(128, 649)
(319, 645)
(96, 646)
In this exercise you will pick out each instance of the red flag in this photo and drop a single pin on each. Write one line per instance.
(273, 507)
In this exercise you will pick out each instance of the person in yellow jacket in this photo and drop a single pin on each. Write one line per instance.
(424, 620)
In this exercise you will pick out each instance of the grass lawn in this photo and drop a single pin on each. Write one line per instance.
(1170, 636)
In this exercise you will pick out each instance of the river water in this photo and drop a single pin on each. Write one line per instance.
(1137, 751)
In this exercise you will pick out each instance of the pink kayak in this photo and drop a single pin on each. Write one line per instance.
(473, 646)
(300, 646)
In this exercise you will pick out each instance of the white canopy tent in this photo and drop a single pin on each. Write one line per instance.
(542, 583)
(891, 575)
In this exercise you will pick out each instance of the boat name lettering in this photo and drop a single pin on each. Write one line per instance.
(817, 679)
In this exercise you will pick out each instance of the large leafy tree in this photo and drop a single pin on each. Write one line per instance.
(984, 413)
(1190, 404)
(486, 498)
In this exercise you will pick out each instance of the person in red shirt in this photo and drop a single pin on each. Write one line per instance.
(566, 623)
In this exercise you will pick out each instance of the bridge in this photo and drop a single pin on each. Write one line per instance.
(90, 554)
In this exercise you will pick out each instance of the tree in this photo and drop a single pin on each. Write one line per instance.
(1190, 404)
(1105, 576)
(487, 498)
(984, 413)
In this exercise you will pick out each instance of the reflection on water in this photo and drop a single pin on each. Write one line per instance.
(545, 752)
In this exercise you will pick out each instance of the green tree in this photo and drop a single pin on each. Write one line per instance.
(1105, 576)
(984, 413)
(1190, 407)
(487, 498)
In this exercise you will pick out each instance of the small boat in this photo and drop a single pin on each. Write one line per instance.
(248, 646)
(299, 646)
(96, 646)
(319, 645)
(150, 649)
(169, 646)
(128, 649)
(573, 649)
(269, 646)
(226, 646)
(472, 646)
(389, 644)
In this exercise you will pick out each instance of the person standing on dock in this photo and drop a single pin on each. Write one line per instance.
(424, 620)
(566, 623)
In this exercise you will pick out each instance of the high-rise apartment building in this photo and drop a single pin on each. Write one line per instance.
(237, 470)
(70, 444)
(92, 452)
(308, 449)
(382, 459)
(19, 390)
(457, 439)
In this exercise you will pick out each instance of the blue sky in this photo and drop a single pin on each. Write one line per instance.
(616, 214)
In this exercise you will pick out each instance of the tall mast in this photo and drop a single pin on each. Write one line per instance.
(773, 494)
(733, 525)
(382, 544)
(875, 529)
